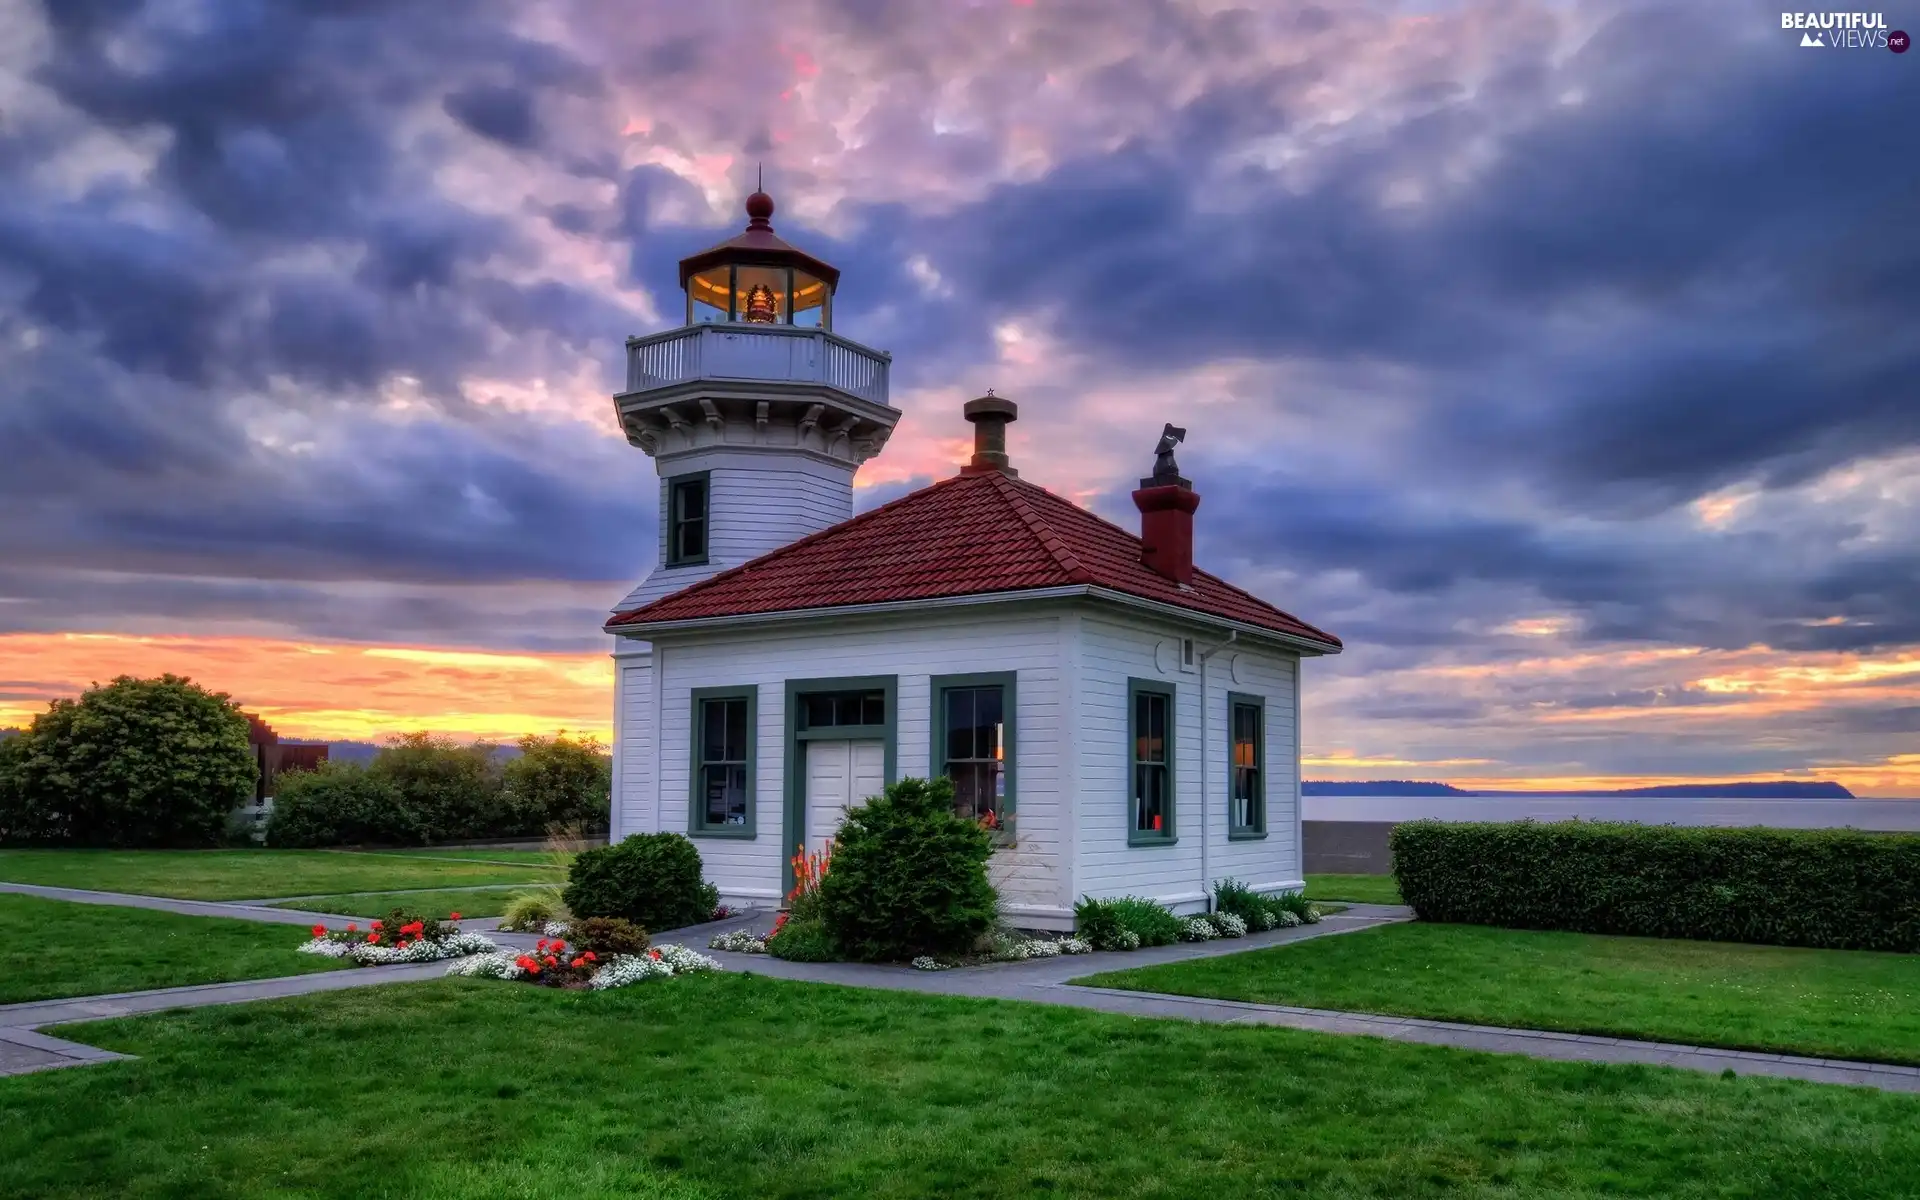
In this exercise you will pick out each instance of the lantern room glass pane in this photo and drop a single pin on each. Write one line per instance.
(810, 301)
(708, 292)
(760, 295)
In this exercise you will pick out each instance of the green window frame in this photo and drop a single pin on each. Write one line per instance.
(1150, 763)
(969, 749)
(689, 518)
(723, 770)
(1246, 767)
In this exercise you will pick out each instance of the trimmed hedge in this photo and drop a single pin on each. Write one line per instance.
(1833, 889)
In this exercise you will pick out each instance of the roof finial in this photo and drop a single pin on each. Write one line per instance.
(759, 177)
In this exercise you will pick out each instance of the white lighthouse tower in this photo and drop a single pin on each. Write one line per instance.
(755, 412)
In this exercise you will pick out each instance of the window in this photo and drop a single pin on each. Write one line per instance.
(722, 783)
(973, 745)
(687, 520)
(1151, 721)
(833, 710)
(1246, 767)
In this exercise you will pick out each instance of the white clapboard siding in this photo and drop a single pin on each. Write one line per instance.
(1034, 877)
(1112, 649)
(757, 502)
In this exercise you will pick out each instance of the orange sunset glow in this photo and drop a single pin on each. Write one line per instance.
(332, 692)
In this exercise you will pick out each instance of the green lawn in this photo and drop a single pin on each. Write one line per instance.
(490, 903)
(1358, 889)
(1840, 1003)
(530, 858)
(56, 949)
(737, 1085)
(250, 874)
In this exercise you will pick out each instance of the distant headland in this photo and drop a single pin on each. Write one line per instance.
(1781, 789)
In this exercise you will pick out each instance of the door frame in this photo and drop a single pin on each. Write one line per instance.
(796, 740)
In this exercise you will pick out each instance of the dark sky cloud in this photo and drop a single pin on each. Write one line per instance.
(313, 309)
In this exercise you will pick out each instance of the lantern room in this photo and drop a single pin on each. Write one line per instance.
(758, 278)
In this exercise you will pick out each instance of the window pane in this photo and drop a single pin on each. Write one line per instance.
(726, 795)
(713, 741)
(873, 709)
(976, 788)
(736, 730)
(960, 723)
(819, 712)
(1150, 798)
(1150, 727)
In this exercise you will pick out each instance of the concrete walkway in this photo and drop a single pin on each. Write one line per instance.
(232, 909)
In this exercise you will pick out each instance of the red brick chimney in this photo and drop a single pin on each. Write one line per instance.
(1166, 503)
(990, 415)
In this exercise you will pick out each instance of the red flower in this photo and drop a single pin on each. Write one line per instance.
(541, 944)
(653, 954)
(352, 928)
(376, 925)
(559, 944)
(453, 916)
(319, 931)
(577, 963)
(552, 961)
(373, 938)
(590, 956)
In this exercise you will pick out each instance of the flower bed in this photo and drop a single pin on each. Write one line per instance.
(555, 964)
(739, 941)
(401, 938)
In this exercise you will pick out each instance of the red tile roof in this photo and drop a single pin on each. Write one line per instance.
(969, 535)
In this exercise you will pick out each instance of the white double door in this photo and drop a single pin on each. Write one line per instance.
(840, 775)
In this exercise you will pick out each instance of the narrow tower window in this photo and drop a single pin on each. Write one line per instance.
(687, 520)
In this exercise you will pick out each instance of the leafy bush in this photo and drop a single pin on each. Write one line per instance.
(448, 791)
(1835, 889)
(530, 911)
(1126, 923)
(557, 781)
(909, 876)
(651, 879)
(804, 941)
(1260, 910)
(337, 804)
(136, 762)
(607, 936)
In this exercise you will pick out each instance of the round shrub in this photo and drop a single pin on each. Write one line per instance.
(337, 804)
(651, 879)
(909, 877)
(607, 936)
(136, 762)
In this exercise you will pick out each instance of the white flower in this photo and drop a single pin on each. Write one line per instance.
(1043, 948)
(498, 965)
(1288, 918)
(629, 968)
(685, 961)
(927, 963)
(1074, 945)
(740, 941)
(556, 929)
(1228, 924)
(1197, 929)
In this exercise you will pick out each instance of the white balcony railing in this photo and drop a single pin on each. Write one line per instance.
(756, 352)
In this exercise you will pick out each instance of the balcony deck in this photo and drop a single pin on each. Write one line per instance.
(756, 353)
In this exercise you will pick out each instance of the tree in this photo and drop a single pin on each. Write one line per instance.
(450, 791)
(137, 762)
(559, 781)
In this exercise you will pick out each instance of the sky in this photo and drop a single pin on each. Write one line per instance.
(1561, 358)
